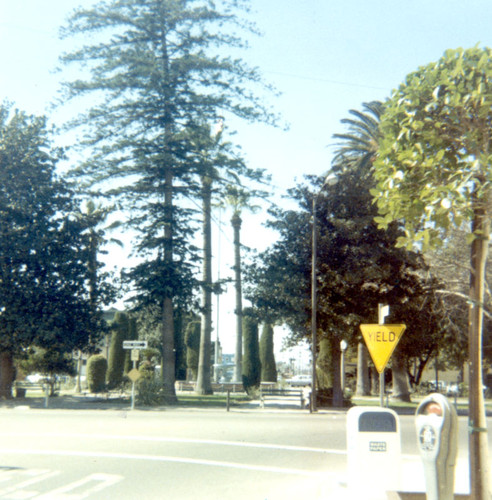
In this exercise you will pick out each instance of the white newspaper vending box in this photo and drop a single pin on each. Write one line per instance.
(373, 452)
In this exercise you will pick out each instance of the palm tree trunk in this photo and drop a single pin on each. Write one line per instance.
(236, 224)
(203, 384)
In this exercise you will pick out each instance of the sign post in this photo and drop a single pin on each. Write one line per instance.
(135, 346)
(381, 341)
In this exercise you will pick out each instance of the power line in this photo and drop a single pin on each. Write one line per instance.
(327, 80)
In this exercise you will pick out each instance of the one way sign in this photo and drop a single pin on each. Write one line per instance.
(134, 344)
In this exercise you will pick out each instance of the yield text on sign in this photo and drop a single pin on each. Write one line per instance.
(382, 336)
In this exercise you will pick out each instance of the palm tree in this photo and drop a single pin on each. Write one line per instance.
(360, 143)
(357, 150)
(238, 199)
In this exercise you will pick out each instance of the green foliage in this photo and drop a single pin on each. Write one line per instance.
(97, 366)
(116, 356)
(48, 362)
(131, 335)
(433, 165)
(43, 248)
(158, 73)
(251, 355)
(150, 392)
(358, 266)
(267, 355)
(192, 342)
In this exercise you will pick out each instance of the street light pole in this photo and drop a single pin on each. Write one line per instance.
(314, 303)
(343, 348)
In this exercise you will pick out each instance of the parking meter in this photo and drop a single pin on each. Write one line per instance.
(437, 438)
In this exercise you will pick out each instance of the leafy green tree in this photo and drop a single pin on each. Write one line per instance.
(156, 67)
(267, 354)
(358, 267)
(49, 362)
(43, 249)
(433, 171)
(251, 359)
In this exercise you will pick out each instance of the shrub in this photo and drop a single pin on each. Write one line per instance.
(251, 357)
(267, 355)
(116, 361)
(150, 392)
(97, 366)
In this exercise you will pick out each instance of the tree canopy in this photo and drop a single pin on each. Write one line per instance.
(433, 172)
(161, 71)
(434, 156)
(43, 250)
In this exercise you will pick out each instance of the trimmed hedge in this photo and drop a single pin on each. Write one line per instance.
(97, 366)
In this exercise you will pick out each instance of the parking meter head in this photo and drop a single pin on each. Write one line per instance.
(432, 408)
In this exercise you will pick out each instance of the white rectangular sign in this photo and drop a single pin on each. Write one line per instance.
(134, 344)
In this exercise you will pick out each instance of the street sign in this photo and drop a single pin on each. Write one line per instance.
(381, 341)
(135, 354)
(134, 344)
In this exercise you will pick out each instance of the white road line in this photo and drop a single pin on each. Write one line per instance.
(161, 458)
(101, 481)
(241, 444)
(36, 476)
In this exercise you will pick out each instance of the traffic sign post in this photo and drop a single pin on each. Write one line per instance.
(381, 340)
(134, 374)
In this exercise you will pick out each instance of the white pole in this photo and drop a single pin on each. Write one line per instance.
(383, 311)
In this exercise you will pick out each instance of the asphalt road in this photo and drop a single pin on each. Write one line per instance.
(185, 454)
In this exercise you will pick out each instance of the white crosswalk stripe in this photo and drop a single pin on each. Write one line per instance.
(23, 484)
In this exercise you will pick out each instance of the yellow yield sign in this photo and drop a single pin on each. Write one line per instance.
(381, 341)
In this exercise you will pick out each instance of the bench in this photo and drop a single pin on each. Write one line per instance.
(22, 386)
(292, 393)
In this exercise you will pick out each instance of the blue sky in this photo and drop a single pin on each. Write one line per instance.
(325, 56)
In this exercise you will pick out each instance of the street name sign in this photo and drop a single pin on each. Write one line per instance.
(134, 344)
(381, 341)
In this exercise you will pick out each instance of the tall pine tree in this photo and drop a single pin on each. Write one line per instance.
(158, 68)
